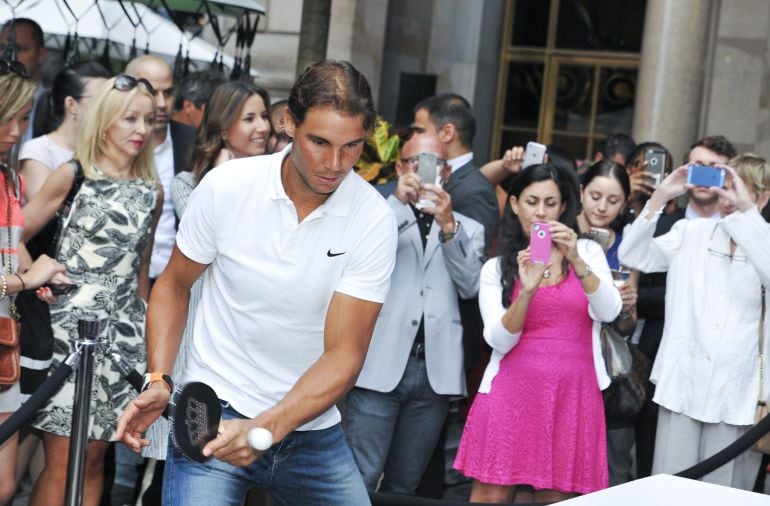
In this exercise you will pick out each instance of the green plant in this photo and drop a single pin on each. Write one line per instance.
(381, 151)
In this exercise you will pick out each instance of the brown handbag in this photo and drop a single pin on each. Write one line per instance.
(10, 368)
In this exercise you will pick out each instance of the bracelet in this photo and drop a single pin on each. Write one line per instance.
(5, 287)
(23, 284)
(586, 273)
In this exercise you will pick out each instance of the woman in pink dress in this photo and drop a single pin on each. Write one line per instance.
(538, 419)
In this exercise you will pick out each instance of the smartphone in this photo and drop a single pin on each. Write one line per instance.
(61, 289)
(601, 236)
(706, 175)
(427, 169)
(534, 154)
(540, 243)
(656, 163)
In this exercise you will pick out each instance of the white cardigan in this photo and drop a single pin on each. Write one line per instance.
(603, 306)
(707, 365)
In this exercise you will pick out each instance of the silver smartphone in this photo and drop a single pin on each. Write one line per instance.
(427, 169)
(534, 154)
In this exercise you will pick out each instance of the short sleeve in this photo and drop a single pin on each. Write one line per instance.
(367, 273)
(196, 235)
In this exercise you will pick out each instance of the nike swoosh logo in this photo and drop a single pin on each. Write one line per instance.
(330, 254)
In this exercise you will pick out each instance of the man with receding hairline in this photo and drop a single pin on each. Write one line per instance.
(173, 142)
(394, 415)
(296, 252)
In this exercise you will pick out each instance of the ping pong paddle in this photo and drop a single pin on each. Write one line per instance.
(196, 415)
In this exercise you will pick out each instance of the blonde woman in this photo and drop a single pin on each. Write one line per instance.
(16, 91)
(106, 247)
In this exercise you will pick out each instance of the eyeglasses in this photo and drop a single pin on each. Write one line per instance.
(125, 82)
(413, 160)
(18, 68)
(721, 254)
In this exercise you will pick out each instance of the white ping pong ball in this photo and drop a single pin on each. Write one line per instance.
(259, 438)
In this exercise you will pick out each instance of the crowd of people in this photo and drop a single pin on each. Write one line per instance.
(221, 238)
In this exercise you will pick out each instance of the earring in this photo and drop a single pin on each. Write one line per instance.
(104, 136)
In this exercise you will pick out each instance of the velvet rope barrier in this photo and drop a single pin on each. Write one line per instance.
(725, 455)
(27, 410)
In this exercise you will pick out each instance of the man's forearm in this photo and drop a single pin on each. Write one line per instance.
(166, 319)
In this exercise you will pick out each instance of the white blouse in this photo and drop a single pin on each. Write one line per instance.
(707, 367)
(603, 306)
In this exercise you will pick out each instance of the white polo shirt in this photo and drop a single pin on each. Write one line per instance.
(260, 321)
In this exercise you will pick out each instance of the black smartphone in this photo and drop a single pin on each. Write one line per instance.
(61, 288)
(656, 164)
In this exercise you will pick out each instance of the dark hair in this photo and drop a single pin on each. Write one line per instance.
(223, 109)
(69, 82)
(37, 32)
(336, 84)
(612, 170)
(620, 144)
(716, 143)
(511, 236)
(643, 146)
(198, 87)
(451, 108)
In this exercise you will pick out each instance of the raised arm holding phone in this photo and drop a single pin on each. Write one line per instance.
(707, 369)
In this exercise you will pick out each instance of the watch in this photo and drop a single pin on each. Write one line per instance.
(152, 377)
(448, 236)
(587, 272)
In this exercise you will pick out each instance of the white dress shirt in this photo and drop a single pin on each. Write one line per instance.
(707, 367)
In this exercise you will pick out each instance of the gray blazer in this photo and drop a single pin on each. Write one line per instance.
(427, 283)
(473, 195)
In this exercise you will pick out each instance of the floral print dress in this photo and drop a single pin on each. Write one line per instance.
(102, 248)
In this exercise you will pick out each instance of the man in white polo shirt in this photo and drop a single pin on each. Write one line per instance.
(296, 251)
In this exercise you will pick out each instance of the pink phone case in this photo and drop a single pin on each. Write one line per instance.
(540, 243)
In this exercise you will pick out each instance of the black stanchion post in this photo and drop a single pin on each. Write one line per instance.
(88, 330)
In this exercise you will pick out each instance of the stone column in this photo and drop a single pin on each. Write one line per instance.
(672, 73)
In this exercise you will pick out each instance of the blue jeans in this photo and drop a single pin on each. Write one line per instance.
(395, 432)
(312, 467)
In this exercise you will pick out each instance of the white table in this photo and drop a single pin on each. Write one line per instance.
(664, 489)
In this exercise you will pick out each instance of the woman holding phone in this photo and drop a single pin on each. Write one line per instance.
(604, 195)
(106, 247)
(707, 371)
(16, 90)
(538, 419)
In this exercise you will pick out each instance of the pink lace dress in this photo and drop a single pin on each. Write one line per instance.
(542, 422)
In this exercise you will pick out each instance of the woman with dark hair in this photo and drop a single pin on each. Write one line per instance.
(235, 124)
(604, 194)
(60, 112)
(538, 419)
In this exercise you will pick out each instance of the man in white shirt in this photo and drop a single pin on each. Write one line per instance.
(296, 252)
(710, 150)
(173, 141)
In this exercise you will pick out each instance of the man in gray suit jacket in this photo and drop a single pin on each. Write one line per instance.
(394, 415)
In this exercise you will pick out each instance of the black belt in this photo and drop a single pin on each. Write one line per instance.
(418, 351)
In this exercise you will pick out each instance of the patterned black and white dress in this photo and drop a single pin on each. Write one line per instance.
(102, 249)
